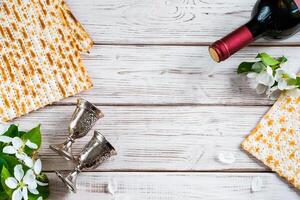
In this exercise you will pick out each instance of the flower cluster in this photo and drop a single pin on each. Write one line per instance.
(21, 169)
(269, 76)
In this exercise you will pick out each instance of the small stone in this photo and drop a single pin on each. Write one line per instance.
(256, 184)
(226, 157)
(112, 187)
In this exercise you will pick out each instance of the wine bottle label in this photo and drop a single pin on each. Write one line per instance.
(297, 3)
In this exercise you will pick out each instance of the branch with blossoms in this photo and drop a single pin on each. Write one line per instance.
(269, 75)
(21, 169)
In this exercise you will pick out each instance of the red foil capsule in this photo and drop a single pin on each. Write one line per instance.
(227, 46)
(297, 3)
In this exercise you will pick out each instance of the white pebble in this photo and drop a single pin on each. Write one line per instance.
(256, 184)
(112, 187)
(226, 157)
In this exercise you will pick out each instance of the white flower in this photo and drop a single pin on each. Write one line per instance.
(21, 184)
(37, 169)
(282, 76)
(3, 138)
(263, 80)
(17, 148)
(265, 77)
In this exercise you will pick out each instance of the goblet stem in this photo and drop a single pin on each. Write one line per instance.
(70, 180)
(64, 149)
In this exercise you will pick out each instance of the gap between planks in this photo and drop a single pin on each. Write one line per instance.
(170, 171)
(200, 44)
(167, 104)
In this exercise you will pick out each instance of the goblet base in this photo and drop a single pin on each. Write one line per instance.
(66, 181)
(62, 152)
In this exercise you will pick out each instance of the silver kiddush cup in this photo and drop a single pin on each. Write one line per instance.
(83, 119)
(92, 155)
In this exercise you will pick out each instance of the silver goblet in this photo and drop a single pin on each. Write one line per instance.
(83, 119)
(92, 155)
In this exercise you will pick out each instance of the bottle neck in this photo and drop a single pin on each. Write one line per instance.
(256, 28)
(230, 44)
(297, 2)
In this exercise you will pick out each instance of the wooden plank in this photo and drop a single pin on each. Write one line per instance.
(163, 138)
(163, 22)
(172, 75)
(173, 186)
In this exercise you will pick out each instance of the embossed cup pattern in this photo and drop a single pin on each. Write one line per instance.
(95, 152)
(83, 119)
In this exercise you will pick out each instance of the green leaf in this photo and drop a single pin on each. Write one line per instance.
(245, 67)
(258, 67)
(3, 195)
(10, 161)
(34, 135)
(267, 59)
(282, 59)
(4, 175)
(295, 82)
(2, 163)
(21, 133)
(33, 196)
(12, 131)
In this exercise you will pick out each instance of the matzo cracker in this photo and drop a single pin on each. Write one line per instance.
(276, 139)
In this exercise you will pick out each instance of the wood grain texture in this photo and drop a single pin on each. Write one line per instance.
(173, 186)
(163, 21)
(164, 138)
(169, 109)
(172, 75)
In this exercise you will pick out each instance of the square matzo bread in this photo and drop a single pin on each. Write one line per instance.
(276, 139)
(40, 62)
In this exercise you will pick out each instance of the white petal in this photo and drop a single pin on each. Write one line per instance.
(40, 198)
(261, 89)
(294, 92)
(292, 75)
(28, 161)
(29, 179)
(5, 139)
(37, 166)
(269, 71)
(20, 156)
(17, 194)
(290, 87)
(282, 84)
(3, 128)
(25, 193)
(41, 183)
(18, 172)
(263, 78)
(33, 191)
(17, 142)
(31, 145)
(252, 75)
(11, 182)
(9, 150)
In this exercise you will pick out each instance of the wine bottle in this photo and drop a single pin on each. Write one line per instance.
(271, 19)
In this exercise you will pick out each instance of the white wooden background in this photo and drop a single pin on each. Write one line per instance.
(169, 110)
